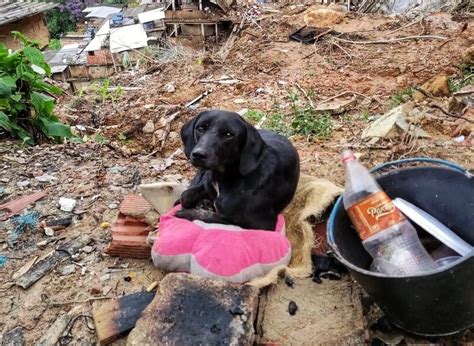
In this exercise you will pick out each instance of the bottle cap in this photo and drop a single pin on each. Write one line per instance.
(347, 155)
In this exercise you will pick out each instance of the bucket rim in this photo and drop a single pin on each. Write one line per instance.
(338, 204)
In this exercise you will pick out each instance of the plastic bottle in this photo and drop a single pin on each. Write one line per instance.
(386, 234)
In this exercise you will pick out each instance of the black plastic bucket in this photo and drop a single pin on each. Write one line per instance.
(439, 302)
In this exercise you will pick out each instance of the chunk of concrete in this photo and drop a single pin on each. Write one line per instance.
(328, 313)
(190, 310)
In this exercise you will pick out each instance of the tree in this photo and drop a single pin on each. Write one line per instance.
(65, 18)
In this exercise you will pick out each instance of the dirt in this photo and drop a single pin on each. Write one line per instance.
(270, 67)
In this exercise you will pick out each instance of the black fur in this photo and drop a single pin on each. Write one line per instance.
(255, 171)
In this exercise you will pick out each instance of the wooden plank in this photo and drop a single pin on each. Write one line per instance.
(117, 317)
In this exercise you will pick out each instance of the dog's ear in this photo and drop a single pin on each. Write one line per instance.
(187, 136)
(252, 152)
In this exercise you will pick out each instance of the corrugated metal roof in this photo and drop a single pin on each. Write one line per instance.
(13, 11)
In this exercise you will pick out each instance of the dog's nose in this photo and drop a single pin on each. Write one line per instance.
(198, 155)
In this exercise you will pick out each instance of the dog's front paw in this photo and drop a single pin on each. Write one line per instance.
(188, 214)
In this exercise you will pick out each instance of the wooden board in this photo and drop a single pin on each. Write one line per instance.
(117, 317)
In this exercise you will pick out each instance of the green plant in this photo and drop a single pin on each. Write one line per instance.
(402, 96)
(467, 78)
(59, 22)
(54, 44)
(254, 116)
(365, 115)
(308, 123)
(276, 122)
(26, 107)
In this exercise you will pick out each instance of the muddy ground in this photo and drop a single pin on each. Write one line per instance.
(274, 75)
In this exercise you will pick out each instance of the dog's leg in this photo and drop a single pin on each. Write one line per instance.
(197, 191)
(202, 214)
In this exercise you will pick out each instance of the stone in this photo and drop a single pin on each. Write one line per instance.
(23, 184)
(336, 107)
(105, 277)
(173, 136)
(188, 309)
(113, 206)
(48, 231)
(149, 127)
(328, 313)
(68, 269)
(87, 249)
(388, 125)
(67, 204)
(322, 17)
(436, 86)
(170, 88)
(46, 178)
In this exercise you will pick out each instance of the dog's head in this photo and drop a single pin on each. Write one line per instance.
(219, 140)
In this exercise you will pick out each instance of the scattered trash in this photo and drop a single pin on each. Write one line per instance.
(170, 88)
(19, 204)
(3, 260)
(48, 231)
(104, 225)
(386, 126)
(67, 204)
(57, 224)
(113, 206)
(21, 224)
(386, 234)
(118, 316)
(292, 308)
(46, 178)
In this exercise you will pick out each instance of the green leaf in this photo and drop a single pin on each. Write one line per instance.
(43, 104)
(16, 97)
(13, 128)
(35, 56)
(6, 84)
(5, 122)
(55, 129)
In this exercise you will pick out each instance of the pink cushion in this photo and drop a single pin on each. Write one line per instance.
(219, 251)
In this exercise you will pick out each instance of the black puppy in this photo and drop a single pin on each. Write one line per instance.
(246, 176)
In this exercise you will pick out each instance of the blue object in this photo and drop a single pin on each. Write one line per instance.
(117, 19)
(3, 260)
(21, 223)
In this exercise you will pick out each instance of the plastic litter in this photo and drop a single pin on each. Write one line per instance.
(22, 223)
(3, 260)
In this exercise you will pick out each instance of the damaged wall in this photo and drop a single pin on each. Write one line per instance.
(413, 6)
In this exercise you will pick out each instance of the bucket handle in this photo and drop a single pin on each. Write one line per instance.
(448, 164)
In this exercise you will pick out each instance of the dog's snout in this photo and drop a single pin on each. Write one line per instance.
(199, 155)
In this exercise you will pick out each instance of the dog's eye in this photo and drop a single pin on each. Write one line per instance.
(200, 129)
(229, 135)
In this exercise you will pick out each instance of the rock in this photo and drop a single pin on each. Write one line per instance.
(336, 107)
(436, 86)
(170, 88)
(173, 136)
(149, 127)
(95, 290)
(46, 178)
(67, 204)
(23, 184)
(192, 310)
(68, 269)
(388, 125)
(105, 277)
(329, 313)
(113, 206)
(49, 232)
(13, 337)
(322, 17)
(87, 249)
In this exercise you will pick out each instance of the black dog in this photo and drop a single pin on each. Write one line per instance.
(246, 176)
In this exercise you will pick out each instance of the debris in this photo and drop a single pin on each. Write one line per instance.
(118, 316)
(436, 86)
(48, 231)
(163, 195)
(46, 178)
(23, 184)
(170, 88)
(149, 127)
(127, 278)
(68, 269)
(13, 337)
(57, 224)
(113, 206)
(19, 204)
(393, 40)
(336, 107)
(67, 204)
(87, 249)
(292, 308)
(152, 286)
(387, 125)
(104, 225)
(22, 223)
(54, 332)
(105, 277)
(322, 17)
(3, 260)
(226, 315)
(95, 291)
(310, 34)
(50, 261)
(226, 80)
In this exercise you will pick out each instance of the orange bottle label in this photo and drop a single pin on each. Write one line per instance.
(374, 214)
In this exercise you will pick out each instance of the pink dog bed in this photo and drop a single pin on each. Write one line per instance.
(219, 251)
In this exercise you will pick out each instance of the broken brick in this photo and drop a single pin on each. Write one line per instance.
(190, 310)
(17, 205)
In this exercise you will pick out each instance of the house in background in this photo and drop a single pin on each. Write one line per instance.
(28, 18)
